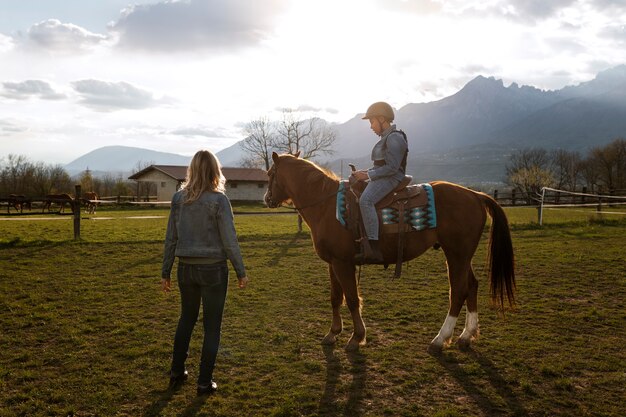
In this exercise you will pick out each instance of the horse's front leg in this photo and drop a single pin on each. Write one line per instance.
(336, 299)
(345, 274)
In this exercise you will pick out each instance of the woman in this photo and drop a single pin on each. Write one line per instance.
(201, 233)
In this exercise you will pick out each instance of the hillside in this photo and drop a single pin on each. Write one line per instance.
(122, 159)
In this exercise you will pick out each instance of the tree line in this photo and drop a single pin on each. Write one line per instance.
(602, 170)
(21, 176)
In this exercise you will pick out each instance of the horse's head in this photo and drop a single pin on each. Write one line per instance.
(276, 193)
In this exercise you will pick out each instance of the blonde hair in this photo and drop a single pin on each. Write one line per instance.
(203, 174)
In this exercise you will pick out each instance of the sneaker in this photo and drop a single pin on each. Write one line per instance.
(178, 379)
(207, 389)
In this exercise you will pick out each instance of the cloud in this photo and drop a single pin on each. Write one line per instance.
(30, 88)
(565, 44)
(523, 11)
(306, 108)
(198, 131)
(6, 43)
(8, 128)
(414, 6)
(608, 5)
(614, 32)
(538, 9)
(171, 26)
(54, 36)
(109, 96)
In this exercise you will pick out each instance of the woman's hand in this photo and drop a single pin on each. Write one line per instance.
(243, 282)
(166, 285)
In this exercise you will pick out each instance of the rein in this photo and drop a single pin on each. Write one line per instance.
(312, 204)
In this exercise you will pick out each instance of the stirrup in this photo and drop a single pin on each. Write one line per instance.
(368, 255)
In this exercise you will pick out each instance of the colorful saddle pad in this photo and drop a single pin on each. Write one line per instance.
(416, 217)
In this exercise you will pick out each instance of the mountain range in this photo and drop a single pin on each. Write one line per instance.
(468, 136)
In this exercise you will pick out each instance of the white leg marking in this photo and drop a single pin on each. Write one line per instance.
(471, 326)
(445, 333)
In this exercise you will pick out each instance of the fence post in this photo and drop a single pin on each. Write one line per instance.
(495, 195)
(513, 197)
(582, 200)
(76, 204)
(540, 208)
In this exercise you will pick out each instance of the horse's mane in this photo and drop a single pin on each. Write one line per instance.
(313, 174)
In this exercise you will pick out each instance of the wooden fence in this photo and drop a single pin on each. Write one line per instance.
(556, 197)
(18, 204)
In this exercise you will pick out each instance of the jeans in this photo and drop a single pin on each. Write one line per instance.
(374, 192)
(206, 284)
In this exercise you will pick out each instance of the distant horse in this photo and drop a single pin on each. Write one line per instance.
(60, 199)
(89, 198)
(19, 202)
(461, 215)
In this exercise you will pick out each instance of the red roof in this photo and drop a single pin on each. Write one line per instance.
(179, 173)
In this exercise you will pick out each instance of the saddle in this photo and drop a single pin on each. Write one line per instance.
(406, 209)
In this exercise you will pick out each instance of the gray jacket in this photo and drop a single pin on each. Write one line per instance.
(391, 148)
(203, 229)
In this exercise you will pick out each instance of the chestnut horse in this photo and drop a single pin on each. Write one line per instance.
(91, 201)
(60, 199)
(461, 215)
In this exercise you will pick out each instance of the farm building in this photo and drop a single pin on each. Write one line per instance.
(242, 184)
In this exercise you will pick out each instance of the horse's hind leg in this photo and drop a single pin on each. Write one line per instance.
(336, 299)
(470, 332)
(458, 274)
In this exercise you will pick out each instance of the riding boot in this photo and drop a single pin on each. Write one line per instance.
(370, 253)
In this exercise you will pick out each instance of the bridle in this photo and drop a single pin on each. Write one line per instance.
(269, 193)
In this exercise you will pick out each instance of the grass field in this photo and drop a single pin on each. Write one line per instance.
(86, 331)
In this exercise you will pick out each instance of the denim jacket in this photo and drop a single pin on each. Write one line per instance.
(204, 228)
(391, 148)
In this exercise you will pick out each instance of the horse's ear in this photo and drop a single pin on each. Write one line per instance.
(275, 157)
(297, 154)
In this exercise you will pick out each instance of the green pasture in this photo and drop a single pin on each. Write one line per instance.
(87, 332)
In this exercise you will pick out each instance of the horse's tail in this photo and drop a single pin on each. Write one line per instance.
(500, 259)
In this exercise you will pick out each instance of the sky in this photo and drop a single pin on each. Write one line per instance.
(182, 75)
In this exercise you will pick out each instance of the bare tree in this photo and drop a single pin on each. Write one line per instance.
(531, 180)
(609, 163)
(41, 180)
(108, 185)
(310, 137)
(144, 188)
(566, 167)
(260, 136)
(60, 181)
(528, 170)
(86, 181)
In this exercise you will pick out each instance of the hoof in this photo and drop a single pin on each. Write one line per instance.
(464, 344)
(353, 345)
(434, 349)
(329, 339)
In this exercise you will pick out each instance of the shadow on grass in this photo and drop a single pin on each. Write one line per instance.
(157, 406)
(283, 249)
(356, 391)
(164, 398)
(470, 385)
